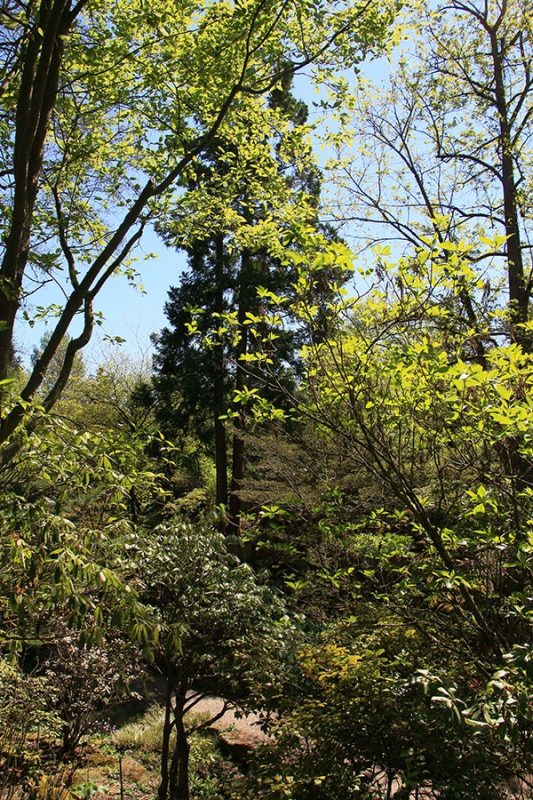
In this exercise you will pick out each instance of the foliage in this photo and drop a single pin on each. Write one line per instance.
(443, 441)
(445, 148)
(24, 718)
(216, 314)
(218, 630)
(77, 372)
(66, 517)
(105, 107)
(85, 680)
(110, 403)
(399, 484)
(110, 396)
(364, 723)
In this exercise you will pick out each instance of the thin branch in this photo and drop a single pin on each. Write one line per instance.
(67, 252)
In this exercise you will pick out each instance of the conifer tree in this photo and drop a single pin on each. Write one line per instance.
(197, 375)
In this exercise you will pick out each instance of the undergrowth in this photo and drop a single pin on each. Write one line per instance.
(119, 758)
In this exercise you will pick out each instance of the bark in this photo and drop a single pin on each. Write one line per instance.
(36, 99)
(103, 266)
(219, 399)
(162, 792)
(518, 291)
(179, 771)
(237, 464)
(179, 767)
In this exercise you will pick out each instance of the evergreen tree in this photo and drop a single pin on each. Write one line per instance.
(197, 375)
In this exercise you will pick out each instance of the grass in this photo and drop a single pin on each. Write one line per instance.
(208, 770)
(121, 758)
(145, 733)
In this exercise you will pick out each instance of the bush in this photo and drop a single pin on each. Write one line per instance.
(24, 721)
(87, 679)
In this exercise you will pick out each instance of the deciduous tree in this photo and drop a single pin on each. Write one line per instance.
(435, 437)
(220, 632)
(104, 108)
(445, 148)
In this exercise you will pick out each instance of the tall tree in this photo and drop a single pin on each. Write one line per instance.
(446, 147)
(435, 531)
(104, 107)
(201, 363)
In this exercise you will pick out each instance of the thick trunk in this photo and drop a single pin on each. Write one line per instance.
(237, 474)
(518, 291)
(162, 792)
(66, 747)
(179, 770)
(237, 464)
(36, 99)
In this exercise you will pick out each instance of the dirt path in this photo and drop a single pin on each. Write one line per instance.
(235, 732)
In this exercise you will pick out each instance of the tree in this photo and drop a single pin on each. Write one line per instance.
(244, 246)
(445, 149)
(113, 404)
(197, 376)
(77, 372)
(82, 680)
(219, 631)
(105, 108)
(438, 535)
(69, 501)
(21, 717)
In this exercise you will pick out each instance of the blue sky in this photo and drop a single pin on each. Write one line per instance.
(129, 313)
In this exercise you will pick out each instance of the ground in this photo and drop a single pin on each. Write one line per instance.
(121, 760)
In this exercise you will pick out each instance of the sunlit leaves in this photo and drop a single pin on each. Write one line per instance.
(61, 543)
(140, 94)
(444, 148)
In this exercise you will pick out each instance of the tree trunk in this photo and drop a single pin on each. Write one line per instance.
(66, 747)
(237, 474)
(36, 99)
(237, 463)
(220, 401)
(179, 767)
(162, 792)
(518, 291)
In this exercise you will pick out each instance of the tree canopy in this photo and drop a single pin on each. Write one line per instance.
(377, 608)
(105, 107)
(445, 147)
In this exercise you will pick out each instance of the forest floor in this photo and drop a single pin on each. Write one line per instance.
(122, 761)
(120, 758)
